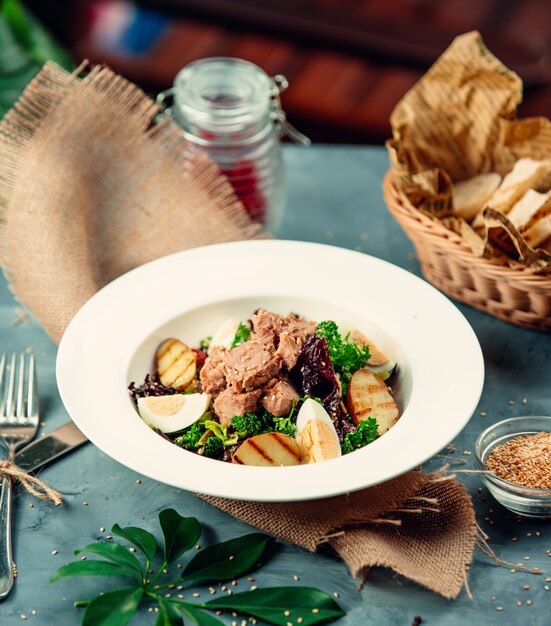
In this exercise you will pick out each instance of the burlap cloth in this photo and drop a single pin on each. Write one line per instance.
(90, 187)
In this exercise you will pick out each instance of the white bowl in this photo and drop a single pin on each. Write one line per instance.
(112, 340)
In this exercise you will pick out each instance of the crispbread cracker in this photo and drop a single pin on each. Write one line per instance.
(526, 173)
(540, 228)
(527, 207)
(471, 195)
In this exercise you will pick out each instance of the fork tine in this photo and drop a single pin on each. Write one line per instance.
(20, 410)
(11, 387)
(2, 371)
(32, 397)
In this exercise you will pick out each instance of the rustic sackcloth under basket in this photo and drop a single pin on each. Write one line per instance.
(506, 290)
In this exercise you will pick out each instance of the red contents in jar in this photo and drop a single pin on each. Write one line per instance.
(243, 178)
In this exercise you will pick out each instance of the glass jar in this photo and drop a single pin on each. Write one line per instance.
(230, 108)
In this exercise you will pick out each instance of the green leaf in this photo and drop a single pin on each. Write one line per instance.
(92, 568)
(36, 40)
(142, 539)
(180, 533)
(200, 617)
(114, 608)
(312, 605)
(115, 553)
(168, 614)
(214, 562)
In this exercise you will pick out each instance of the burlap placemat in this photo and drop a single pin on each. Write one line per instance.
(91, 187)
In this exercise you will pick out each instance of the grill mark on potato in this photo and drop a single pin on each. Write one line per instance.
(283, 443)
(181, 355)
(260, 451)
(180, 365)
(237, 460)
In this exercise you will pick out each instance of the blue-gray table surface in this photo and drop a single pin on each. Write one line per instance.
(335, 197)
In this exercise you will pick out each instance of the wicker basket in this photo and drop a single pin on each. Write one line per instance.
(508, 292)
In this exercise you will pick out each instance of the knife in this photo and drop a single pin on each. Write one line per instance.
(50, 447)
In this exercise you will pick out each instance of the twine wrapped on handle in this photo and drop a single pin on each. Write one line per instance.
(31, 483)
(90, 188)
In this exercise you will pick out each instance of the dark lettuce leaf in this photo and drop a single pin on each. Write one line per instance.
(315, 377)
(152, 386)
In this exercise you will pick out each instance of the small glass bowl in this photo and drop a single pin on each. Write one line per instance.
(521, 500)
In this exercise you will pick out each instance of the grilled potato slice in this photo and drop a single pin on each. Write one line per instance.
(269, 449)
(176, 364)
(368, 396)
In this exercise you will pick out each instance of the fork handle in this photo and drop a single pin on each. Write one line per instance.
(6, 560)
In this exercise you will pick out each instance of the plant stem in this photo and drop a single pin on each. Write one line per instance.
(159, 572)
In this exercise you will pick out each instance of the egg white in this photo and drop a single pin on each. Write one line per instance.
(225, 335)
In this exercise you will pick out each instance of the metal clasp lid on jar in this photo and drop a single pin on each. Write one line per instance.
(192, 109)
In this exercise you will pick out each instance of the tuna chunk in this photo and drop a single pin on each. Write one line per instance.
(251, 365)
(230, 403)
(269, 326)
(288, 349)
(213, 372)
(279, 397)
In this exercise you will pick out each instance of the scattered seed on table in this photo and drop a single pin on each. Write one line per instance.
(54, 552)
(23, 616)
(287, 613)
(493, 598)
(165, 571)
(179, 565)
(179, 587)
(83, 558)
(254, 588)
(102, 529)
(250, 579)
(511, 402)
(526, 558)
(181, 596)
(34, 612)
(138, 481)
(336, 594)
(167, 595)
(299, 620)
(528, 602)
(231, 557)
(230, 592)
(538, 534)
(85, 503)
(132, 549)
(483, 413)
(499, 608)
(31, 505)
(171, 586)
(195, 595)
(223, 588)
(546, 587)
(512, 571)
(295, 577)
(514, 538)
(198, 546)
(150, 609)
(524, 400)
(109, 537)
(526, 587)
(519, 603)
(315, 610)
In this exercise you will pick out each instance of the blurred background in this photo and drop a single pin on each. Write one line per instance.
(348, 61)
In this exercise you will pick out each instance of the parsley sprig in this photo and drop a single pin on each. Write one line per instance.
(346, 356)
(216, 563)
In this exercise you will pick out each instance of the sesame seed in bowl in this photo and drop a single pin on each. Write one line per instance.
(514, 458)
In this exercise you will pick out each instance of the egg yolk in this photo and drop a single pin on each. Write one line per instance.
(318, 443)
(164, 405)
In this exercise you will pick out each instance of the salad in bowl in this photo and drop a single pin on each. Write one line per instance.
(273, 390)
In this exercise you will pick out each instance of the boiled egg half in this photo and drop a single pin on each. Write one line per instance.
(171, 414)
(225, 335)
(316, 435)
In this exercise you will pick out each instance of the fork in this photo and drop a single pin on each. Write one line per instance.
(18, 425)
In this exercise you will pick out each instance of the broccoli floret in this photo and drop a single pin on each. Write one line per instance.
(214, 448)
(250, 424)
(365, 433)
(190, 437)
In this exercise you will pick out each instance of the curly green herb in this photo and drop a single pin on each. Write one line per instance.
(346, 356)
(366, 432)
